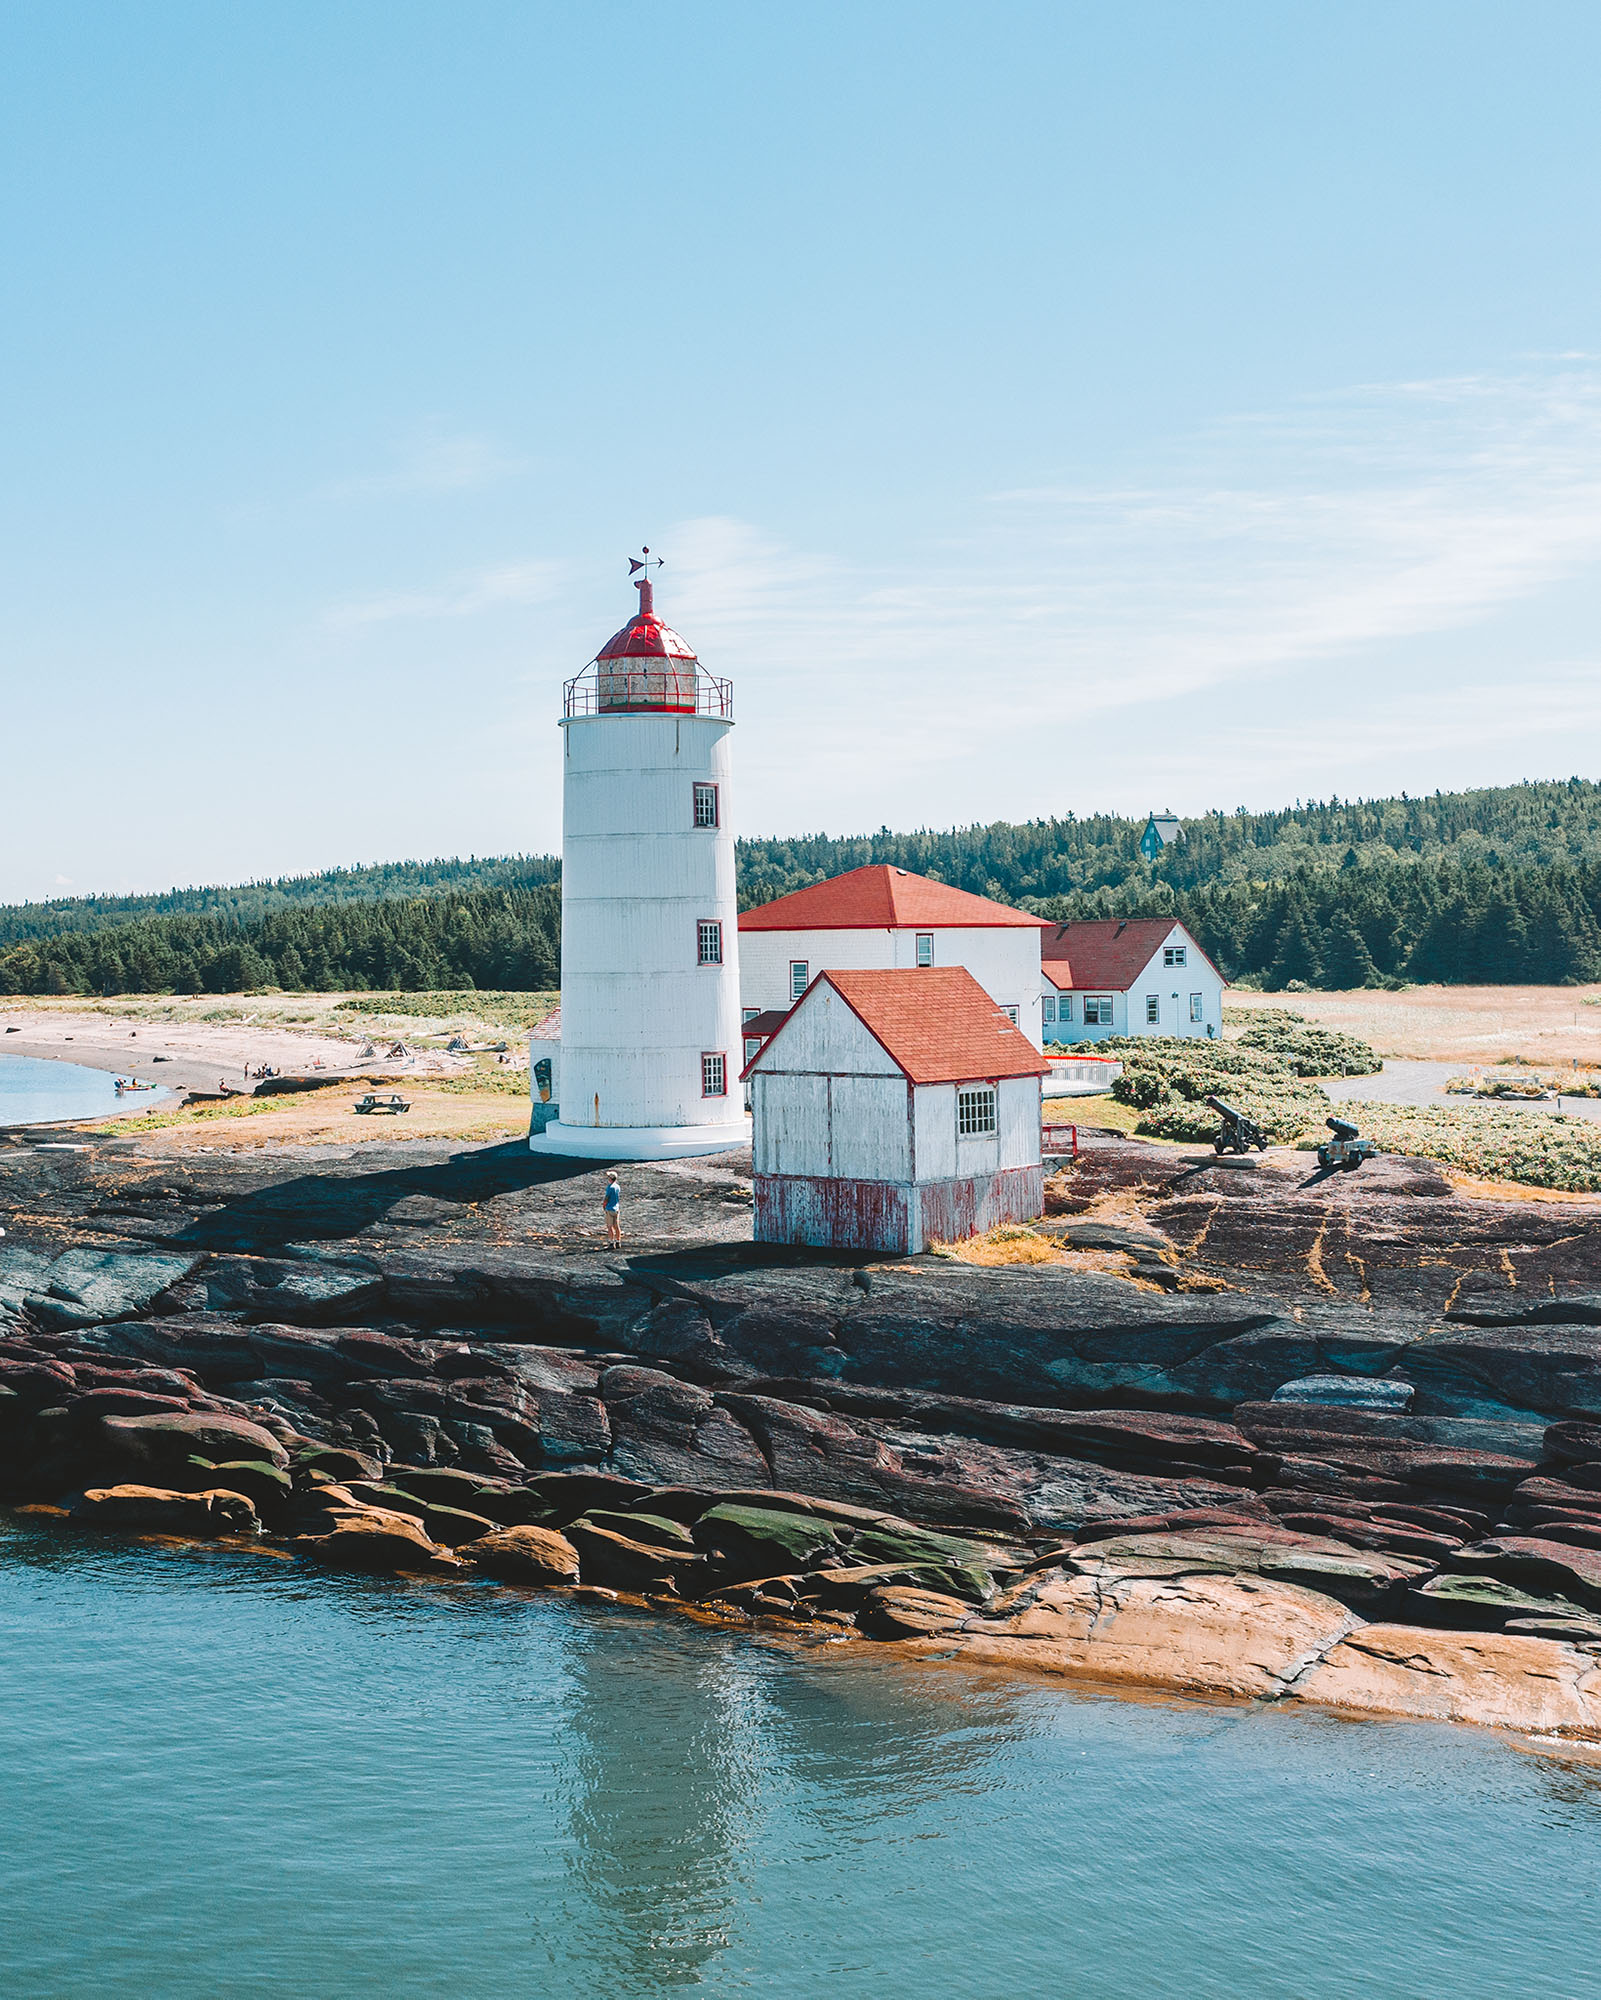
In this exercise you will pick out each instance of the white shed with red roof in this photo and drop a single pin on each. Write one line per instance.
(893, 1109)
(884, 919)
(1128, 976)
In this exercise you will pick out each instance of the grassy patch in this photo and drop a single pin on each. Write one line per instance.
(1006, 1243)
(1307, 1049)
(1533, 1148)
(497, 1010)
(1166, 1081)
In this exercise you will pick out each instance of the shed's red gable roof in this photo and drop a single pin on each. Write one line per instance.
(1106, 953)
(881, 898)
(936, 1023)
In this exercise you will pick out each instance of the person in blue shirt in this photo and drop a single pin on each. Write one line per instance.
(613, 1204)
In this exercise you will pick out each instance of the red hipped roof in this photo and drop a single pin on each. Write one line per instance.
(936, 1024)
(1106, 953)
(881, 898)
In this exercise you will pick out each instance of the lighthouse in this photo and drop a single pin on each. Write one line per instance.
(650, 1043)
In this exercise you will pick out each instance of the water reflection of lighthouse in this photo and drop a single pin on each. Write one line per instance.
(649, 939)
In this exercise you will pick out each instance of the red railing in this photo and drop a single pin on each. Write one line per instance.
(676, 687)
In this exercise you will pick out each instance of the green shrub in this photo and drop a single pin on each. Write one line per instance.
(1308, 1049)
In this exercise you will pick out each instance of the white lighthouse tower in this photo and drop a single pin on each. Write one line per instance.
(650, 1047)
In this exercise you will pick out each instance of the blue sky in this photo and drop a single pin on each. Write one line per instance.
(1040, 409)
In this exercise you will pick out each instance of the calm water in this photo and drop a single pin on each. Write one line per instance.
(226, 1775)
(34, 1090)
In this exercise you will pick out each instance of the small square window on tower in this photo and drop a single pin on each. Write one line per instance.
(705, 805)
(713, 1075)
(709, 942)
(798, 982)
(925, 947)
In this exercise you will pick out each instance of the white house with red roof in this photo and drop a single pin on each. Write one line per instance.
(893, 1109)
(885, 919)
(1127, 976)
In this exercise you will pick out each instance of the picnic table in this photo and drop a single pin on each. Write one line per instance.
(375, 1102)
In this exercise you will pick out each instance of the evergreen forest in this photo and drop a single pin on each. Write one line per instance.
(1497, 886)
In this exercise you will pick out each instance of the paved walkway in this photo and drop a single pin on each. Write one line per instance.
(1424, 1083)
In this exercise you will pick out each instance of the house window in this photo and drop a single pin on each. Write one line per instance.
(975, 1111)
(1153, 1010)
(1173, 954)
(753, 1046)
(705, 805)
(1097, 1010)
(748, 1013)
(1064, 1008)
(1048, 1007)
(925, 947)
(1195, 1007)
(714, 1075)
(1011, 1014)
(797, 978)
(709, 942)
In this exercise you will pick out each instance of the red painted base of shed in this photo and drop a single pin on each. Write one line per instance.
(891, 1215)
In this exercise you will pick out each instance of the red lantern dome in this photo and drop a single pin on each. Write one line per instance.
(647, 669)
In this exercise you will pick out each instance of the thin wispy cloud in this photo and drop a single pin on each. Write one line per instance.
(491, 589)
(440, 462)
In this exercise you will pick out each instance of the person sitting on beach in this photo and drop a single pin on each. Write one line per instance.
(612, 1202)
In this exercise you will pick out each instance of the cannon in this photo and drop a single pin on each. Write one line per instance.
(1239, 1133)
(1346, 1150)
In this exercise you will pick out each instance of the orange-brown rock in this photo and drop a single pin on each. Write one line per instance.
(1202, 1633)
(373, 1539)
(1507, 1680)
(896, 1611)
(527, 1555)
(157, 1508)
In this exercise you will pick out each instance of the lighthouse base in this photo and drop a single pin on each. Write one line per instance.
(639, 1142)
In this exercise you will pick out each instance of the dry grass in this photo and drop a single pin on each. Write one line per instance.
(1006, 1243)
(1468, 1024)
(327, 1118)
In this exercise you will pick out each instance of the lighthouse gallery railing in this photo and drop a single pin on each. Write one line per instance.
(670, 687)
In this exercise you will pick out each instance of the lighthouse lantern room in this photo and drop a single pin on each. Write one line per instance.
(649, 1064)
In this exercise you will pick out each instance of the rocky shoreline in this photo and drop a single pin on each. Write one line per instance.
(1256, 1436)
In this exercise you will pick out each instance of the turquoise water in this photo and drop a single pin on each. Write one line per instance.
(227, 1775)
(35, 1090)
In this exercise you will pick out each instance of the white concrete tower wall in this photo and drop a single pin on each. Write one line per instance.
(638, 1008)
(650, 1042)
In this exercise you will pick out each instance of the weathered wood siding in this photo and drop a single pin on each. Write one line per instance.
(888, 1215)
(948, 1211)
(790, 1124)
(1018, 1115)
(843, 1215)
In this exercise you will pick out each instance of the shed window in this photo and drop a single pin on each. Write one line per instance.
(1153, 1010)
(1196, 1013)
(1173, 954)
(705, 805)
(1097, 1010)
(714, 1075)
(1048, 1007)
(797, 978)
(925, 947)
(709, 942)
(975, 1111)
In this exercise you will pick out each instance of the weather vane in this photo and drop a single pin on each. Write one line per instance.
(644, 560)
